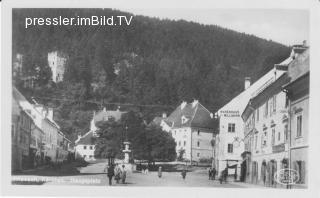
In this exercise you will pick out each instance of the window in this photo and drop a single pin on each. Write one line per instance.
(265, 138)
(198, 132)
(231, 127)
(91, 147)
(198, 144)
(286, 132)
(279, 136)
(274, 102)
(257, 114)
(299, 125)
(84, 147)
(271, 106)
(266, 109)
(184, 143)
(230, 148)
(198, 154)
(273, 136)
(256, 142)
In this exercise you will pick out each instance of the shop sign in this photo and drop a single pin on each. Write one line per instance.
(278, 148)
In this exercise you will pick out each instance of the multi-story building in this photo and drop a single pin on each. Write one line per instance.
(266, 134)
(21, 132)
(85, 145)
(36, 152)
(57, 61)
(35, 134)
(229, 142)
(191, 125)
(298, 94)
(17, 65)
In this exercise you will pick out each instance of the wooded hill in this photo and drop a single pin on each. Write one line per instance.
(160, 62)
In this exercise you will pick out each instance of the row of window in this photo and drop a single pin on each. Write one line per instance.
(90, 156)
(198, 132)
(185, 143)
(85, 147)
(277, 135)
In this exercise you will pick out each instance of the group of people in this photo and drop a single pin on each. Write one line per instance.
(119, 173)
(212, 173)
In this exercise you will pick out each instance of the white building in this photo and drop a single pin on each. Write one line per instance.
(230, 140)
(266, 134)
(191, 125)
(85, 145)
(56, 61)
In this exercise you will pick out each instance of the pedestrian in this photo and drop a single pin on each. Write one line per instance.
(214, 172)
(117, 173)
(184, 174)
(210, 173)
(160, 172)
(221, 176)
(123, 174)
(110, 173)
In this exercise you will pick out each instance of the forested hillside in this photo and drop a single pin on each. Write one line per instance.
(158, 62)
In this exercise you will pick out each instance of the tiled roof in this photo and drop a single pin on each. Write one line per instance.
(157, 121)
(191, 115)
(87, 139)
(104, 115)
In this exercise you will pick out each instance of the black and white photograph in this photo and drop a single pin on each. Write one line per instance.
(126, 97)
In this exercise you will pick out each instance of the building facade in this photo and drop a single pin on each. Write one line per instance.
(21, 133)
(191, 125)
(57, 61)
(298, 94)
(36, 137)
(230, 140)
(266, 134)
(85, 145)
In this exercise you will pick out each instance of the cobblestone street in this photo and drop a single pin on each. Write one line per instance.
(93, 175)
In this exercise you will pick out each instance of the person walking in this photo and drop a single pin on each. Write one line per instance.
(184, 174)
(160, 172)
(123, 174)
(214, 172)
(117, 172)
(210, 173)
(110, 173)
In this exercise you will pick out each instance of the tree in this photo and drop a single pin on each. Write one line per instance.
(108, 144)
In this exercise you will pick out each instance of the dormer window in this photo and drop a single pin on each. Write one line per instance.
(184, 120)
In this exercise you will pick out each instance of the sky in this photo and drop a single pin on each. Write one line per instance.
(286, 26)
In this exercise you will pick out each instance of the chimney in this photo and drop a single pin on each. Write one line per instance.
(211, 115)
(183, 104)
(194, 103)
(50, 113)
(304, 43)
(164, 115)
(247, 82)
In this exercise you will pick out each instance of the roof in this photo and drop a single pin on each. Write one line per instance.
(157, 121)
(104, 115)
(270, 90)
(300, 66)
(240, 102)
(87, 139)
(190, 115)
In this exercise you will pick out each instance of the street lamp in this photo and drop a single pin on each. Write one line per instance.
(214, 140)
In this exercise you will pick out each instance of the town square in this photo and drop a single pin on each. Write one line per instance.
(158, 100)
